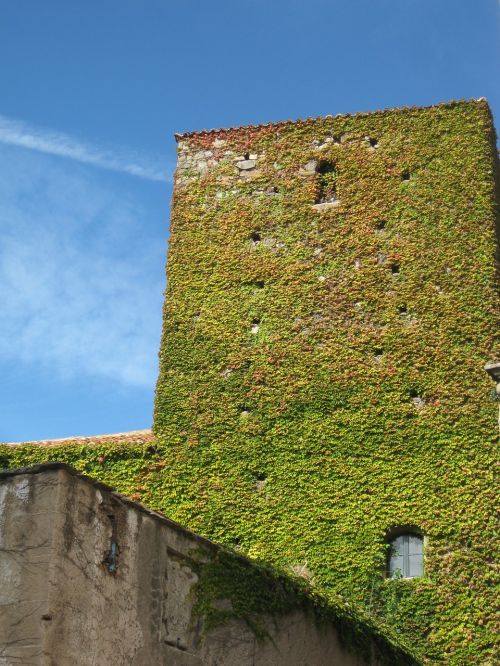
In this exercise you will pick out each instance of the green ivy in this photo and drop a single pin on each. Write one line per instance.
(360, 402)
(250, 591)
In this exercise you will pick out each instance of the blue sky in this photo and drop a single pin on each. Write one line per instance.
(92, 93)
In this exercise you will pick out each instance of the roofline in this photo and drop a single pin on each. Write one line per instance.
(302, 121)
(132, 435)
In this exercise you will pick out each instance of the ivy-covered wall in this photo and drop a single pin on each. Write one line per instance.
(332, 299)
(322, 361)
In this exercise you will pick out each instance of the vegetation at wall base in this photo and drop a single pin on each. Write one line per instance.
(250, 590)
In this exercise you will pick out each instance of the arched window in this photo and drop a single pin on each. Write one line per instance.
(406, 556)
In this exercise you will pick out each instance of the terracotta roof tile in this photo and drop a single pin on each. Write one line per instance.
(132, 436)
(281, 123)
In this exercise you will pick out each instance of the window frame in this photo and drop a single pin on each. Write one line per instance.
(406, 533)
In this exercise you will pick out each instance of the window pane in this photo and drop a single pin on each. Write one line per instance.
(396, 558)
(415, 545)
(397, 546)
(406, 558)
(416, 565)
(396, 566)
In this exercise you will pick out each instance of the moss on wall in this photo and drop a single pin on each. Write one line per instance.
(321, 370)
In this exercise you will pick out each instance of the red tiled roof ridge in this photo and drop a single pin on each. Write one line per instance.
(299, 121)
(132, 435)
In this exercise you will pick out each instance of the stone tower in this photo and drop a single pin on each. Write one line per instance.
(332, 299)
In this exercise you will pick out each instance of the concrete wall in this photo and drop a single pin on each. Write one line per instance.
(89, 578)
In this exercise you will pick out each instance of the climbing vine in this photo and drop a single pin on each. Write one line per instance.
(321, 371)
(250, 591)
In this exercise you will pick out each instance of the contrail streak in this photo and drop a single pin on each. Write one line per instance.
(18, 133)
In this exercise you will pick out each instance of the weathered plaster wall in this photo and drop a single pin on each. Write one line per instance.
(27, 520)
(89, 578)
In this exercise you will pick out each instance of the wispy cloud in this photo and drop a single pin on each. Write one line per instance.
(18, 133)
(80, 279)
